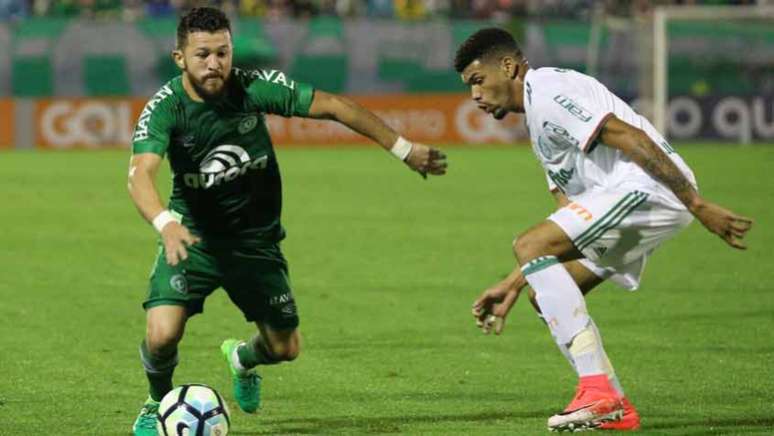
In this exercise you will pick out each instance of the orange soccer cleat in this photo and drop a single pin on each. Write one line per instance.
(595, 403)
(630, 420)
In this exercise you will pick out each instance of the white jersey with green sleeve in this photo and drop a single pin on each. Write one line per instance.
(565, 111)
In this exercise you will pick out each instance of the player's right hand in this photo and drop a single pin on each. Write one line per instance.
(724, 223)
(491, 308)
(176, 238)
(426, 160)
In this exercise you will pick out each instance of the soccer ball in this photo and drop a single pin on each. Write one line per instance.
(193, 410)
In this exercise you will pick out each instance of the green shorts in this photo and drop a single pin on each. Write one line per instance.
(255, 278)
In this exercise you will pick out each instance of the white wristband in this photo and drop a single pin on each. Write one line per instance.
(162, 219)
(401, 148)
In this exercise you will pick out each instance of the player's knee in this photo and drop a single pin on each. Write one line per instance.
(162, 339)
(535, 243)
(527, 247)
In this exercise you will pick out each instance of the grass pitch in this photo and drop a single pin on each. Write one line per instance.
(385, 267)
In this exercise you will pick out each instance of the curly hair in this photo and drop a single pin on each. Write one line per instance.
(204, 19)
(484, 43)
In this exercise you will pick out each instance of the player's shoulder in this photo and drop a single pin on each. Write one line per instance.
(541, 86)
(159, 109)
(545, 87)
(547, 81)
(167, 95)
(246, 77)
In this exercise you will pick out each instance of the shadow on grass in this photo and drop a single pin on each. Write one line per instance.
(377, 424)
(715, 426)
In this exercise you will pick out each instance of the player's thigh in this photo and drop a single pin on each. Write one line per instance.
(617, 230)
(595, 221)
(258, 282)
(585, 278)
(186, 284)
(544, 239)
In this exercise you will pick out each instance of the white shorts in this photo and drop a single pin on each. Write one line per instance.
(617, 230)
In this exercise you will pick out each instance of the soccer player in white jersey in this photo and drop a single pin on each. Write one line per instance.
(621, 191)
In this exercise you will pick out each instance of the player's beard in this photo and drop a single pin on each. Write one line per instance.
(198, 86)
(499, 113)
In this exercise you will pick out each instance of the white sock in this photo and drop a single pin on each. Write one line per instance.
(585, 352)
(566, 353)
(562, 348)
(558, 296)
(235, 359)
(611, 376)
(608, 366)
(564, 311)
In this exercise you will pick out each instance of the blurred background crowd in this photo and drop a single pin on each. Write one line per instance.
(130, 10)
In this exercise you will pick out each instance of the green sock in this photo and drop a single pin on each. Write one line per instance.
(159, 371)
(254, 353)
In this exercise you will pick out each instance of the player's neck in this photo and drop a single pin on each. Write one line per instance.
(190, 90)
(518, 90)
(518, 97)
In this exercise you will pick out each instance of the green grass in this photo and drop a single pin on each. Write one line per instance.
(385, 267)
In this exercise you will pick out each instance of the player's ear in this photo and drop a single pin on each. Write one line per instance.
(179, 59)
(510, 67)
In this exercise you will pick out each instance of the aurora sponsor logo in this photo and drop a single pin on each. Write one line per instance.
(223, 164)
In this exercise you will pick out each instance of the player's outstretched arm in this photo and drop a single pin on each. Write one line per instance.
(647, 154)
(419, 157)
(143, 168)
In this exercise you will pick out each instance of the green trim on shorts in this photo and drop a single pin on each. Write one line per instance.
(593, 227)
(164, 302)
(610, 219)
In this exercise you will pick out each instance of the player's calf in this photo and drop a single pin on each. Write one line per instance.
(279, 351)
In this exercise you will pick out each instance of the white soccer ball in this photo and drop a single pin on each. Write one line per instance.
(193, 410)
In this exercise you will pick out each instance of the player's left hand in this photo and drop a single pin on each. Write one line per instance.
(723, 222)
(426, 160)
(491, 308)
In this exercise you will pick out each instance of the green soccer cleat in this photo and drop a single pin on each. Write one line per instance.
(145, 424)
(247, 384)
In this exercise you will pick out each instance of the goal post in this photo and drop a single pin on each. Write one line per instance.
(722, 17)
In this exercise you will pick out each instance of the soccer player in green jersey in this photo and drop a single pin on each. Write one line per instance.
(222, 224)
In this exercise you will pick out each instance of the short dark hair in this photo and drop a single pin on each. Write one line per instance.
(483, 43)
(204, 19)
